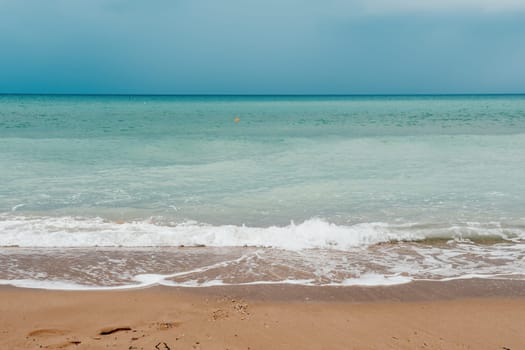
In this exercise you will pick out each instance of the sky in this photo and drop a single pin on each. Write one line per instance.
(262, 47)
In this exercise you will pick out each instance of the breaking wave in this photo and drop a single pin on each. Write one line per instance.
(33, 231)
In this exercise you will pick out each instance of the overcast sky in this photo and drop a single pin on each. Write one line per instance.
(262, 47)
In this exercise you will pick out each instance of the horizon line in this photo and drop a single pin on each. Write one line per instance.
(262, 95)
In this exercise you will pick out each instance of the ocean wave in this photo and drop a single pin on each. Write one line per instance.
(68, 231)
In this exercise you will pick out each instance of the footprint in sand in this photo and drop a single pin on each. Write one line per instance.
(167, 325)
(111, 330)
(47, 332)
(219, 314)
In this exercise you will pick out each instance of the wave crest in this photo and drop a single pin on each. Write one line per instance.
(313, 233)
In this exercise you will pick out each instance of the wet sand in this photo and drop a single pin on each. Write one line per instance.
(468, 314)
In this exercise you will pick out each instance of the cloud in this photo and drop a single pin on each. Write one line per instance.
(272, 46)
(432, 6)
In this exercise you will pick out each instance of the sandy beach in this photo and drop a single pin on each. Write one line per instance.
(263, 175)
(470, 314)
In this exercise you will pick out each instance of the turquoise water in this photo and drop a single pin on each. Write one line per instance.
(344, 159)
(332, 173)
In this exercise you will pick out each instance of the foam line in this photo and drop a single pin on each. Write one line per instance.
(313, 233)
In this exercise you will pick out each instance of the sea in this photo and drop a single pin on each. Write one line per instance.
(109, 192)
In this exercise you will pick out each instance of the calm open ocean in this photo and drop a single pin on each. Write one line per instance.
(101, 191)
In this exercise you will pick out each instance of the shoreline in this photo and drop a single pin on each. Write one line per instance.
(461, 314)
(414, 291)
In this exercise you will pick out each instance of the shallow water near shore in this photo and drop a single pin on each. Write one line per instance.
(101, 191)
(390, 264)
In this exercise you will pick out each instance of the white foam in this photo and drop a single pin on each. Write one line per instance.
(62, 285)
(314, 233)
(14, 208)
(366, 280)
(481, 276)
(371, 279)
(376, 280)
